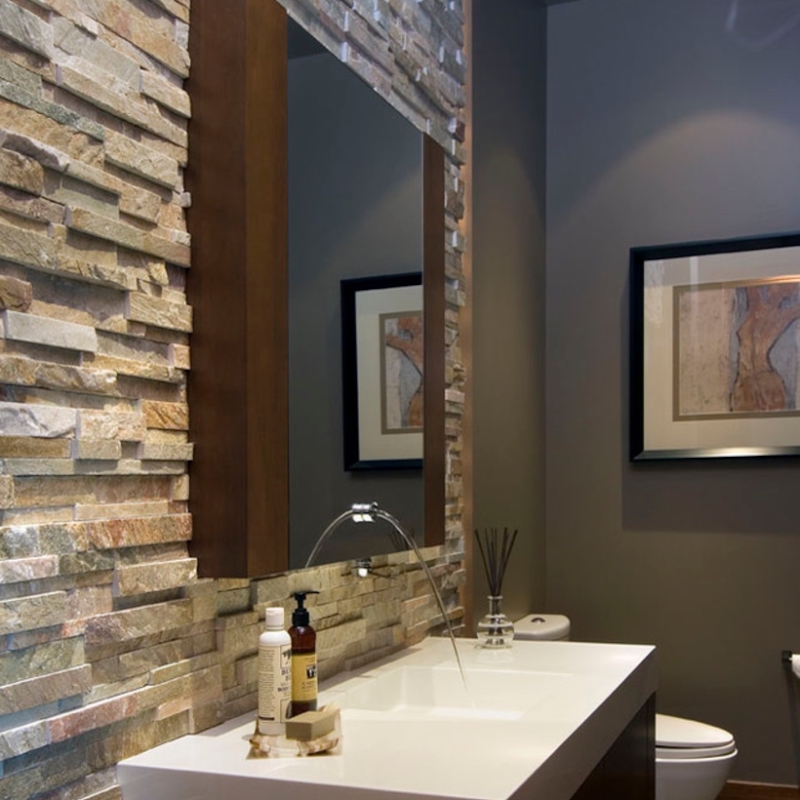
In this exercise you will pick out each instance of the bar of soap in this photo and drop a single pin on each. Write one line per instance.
(312, 724)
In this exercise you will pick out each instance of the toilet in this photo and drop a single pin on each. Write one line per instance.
(692, 759)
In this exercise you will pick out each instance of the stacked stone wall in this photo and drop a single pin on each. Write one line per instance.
(109, 644)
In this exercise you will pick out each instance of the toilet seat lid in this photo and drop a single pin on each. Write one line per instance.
(549, 627)
(676, 732)
(691, 753)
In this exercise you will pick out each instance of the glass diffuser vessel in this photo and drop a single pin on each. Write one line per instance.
(495, 630)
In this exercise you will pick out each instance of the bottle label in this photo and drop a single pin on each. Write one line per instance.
(304, 676)
(274, 682)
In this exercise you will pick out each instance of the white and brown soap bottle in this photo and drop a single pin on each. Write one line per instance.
(304, 657)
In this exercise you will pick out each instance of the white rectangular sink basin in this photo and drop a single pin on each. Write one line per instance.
(408, 692)
(534, 722)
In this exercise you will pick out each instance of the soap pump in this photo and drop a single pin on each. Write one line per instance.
(304, 657)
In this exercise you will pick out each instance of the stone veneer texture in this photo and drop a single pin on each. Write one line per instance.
(109, 644)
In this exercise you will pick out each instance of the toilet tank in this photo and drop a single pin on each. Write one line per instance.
(543, 627)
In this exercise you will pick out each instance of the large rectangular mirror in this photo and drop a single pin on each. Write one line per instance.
(364, 197)
(355, 212)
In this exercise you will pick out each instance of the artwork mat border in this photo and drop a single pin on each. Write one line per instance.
(652, 434)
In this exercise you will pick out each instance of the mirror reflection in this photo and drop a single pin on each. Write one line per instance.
(355, 211)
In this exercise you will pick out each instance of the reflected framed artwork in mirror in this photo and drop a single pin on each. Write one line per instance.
(383, 372)
(715, 349)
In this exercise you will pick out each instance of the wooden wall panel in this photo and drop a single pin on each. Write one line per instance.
(238, 386)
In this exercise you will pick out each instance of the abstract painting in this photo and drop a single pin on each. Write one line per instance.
(401, 372)
(737, 348)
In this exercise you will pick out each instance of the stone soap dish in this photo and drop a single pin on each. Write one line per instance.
(306, 735)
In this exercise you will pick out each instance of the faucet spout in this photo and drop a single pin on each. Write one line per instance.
(369, 512)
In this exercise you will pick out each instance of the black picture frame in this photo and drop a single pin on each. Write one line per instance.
(705, 318)
(359, 436)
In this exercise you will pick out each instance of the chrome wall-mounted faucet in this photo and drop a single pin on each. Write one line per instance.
(369, 512)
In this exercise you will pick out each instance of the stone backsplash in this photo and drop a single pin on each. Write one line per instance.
(109, 644)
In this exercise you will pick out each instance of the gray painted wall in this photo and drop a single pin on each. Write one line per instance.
(508, 298)
(662, 127)
(355, 192)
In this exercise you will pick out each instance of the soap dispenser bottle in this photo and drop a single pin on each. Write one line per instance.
(304, 657)
(274, 674)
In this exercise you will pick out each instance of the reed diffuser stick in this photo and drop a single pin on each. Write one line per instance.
(495, 552)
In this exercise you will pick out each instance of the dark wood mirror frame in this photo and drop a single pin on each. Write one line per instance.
(237, 286)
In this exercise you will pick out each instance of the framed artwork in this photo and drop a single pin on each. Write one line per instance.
(715, 349)
(382, 371)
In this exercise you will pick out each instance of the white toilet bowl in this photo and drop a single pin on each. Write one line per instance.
(692, 759)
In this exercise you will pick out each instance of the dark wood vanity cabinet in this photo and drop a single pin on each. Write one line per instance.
(628, 769)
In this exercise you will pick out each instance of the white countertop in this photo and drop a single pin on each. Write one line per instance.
(536, 720)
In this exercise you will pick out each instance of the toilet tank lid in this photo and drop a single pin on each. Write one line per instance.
(542, 626)
(679, 732)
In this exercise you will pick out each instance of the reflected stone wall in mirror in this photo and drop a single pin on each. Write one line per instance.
(355, 210)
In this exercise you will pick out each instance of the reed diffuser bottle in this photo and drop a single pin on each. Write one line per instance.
(495, 630)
